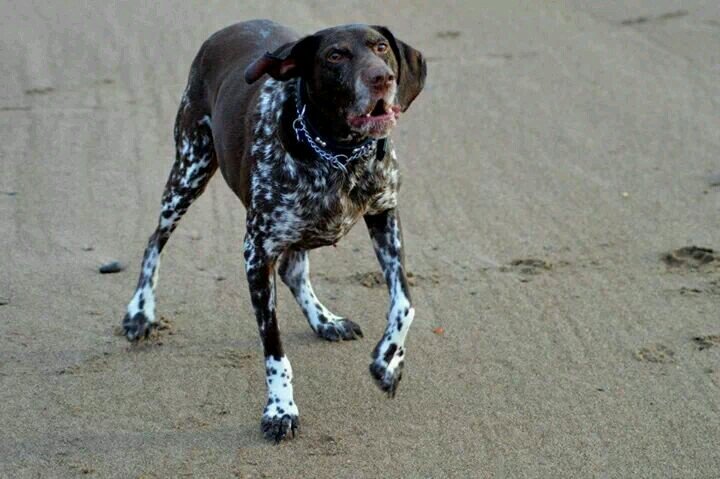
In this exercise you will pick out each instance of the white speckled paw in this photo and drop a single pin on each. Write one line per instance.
(279, 419)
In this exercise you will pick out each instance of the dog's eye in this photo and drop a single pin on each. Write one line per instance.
(381, 48)
(335, 57)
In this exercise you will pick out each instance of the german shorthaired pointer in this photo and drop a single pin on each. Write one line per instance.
(307, 151)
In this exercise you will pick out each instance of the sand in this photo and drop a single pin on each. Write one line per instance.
(558, 152)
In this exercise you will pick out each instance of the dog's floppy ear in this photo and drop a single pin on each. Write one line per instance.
(412, 68)
(288, 61)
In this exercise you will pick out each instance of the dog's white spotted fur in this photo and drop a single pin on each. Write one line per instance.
(194, 166)
(313, 192)
(278, 379)
(143, 301)
(281, 414)
(315, 206)
(296, 203)
(295, 273)
(389, 354)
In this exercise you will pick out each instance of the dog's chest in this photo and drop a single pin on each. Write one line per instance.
(332, 202)
(310, 204)
(316, 206)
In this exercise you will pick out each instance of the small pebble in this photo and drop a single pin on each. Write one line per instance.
(195, 235)
(4, 301)
(439, 330)
(625, 194)
(714, 179)
(111, 267)
(88, 248)
(219, 278)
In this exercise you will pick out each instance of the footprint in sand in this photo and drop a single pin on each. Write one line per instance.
(375, 279)
(448, 34)
(95, 364)
(711, 287)
(231, 358)
(654, 19)
(707, 341)
(655, 353)
(527, 267)
(694, 259)
(39, 90)
(164, 327)
(690, 258)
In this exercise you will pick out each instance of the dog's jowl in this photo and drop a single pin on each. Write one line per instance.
(299, 127)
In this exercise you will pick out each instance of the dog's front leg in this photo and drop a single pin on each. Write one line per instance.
(389, 354)
(280, 415)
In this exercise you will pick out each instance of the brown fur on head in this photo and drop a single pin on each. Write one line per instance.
(367, 77)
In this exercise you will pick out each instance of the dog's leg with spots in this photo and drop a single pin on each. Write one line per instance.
(194, 165)
(295, 273)
(280, 415)
(389, 354)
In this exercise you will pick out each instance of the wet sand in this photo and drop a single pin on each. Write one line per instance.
(558, 154)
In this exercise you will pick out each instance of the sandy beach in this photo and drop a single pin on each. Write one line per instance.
(558, 169)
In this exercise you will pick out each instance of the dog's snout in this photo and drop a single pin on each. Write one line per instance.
(379, 78)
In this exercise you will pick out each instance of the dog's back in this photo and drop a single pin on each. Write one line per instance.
(216, 88)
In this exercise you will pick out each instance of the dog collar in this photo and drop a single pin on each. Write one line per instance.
(338, 156)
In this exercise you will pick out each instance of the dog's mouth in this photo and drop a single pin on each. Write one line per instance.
(379, 118)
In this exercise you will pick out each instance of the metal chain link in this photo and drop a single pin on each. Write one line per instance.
(339, 161)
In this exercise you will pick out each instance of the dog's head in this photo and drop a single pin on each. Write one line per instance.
(359, 78)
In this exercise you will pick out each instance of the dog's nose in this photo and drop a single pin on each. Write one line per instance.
(379, 78)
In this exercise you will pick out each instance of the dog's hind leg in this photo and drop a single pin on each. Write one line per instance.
(194, 165)
(295, 273)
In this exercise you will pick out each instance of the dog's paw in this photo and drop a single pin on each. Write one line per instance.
(387, 377)
(137, 326)
(339, 329)
(279, 419)
(389, 354)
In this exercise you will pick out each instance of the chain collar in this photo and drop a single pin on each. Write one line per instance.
(339, 161)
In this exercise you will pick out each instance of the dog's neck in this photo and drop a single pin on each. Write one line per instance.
(339, 148)
(333, 131)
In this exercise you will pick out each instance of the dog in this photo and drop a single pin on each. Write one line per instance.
(307, 152)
